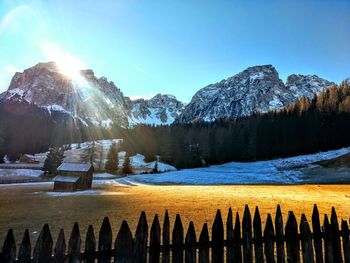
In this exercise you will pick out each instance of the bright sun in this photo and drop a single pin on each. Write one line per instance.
(67, 64)
(69, 67)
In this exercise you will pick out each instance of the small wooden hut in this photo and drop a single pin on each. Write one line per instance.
(73, 177)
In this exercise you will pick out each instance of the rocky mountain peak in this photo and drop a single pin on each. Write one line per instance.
(98, 101)
(85, 97)
(255, 89)
(306, 85)
(160, 109)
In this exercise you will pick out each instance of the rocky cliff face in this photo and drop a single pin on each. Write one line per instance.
(161, 109)
(306, 85)
(256, 89)
(87, 98)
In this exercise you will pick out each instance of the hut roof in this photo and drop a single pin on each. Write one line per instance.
(66, 179)
(74, 167)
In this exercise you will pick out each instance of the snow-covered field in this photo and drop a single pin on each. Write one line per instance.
(139, 165)
(20, 173)
(278, 171)
(102, 147)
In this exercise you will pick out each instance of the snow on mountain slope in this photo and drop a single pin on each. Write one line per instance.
(161, 109)
(85, 97)
(306, 85)
(256, 89)
(279, 171)
(99, 102)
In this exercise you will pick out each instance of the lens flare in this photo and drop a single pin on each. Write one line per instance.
(67, 64)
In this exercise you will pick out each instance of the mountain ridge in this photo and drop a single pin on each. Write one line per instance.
(97, 101)
(255, 89)
(91, 99)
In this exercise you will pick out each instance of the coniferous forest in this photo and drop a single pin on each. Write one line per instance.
(307, 126)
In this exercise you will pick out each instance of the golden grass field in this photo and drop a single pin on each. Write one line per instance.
(31, 206)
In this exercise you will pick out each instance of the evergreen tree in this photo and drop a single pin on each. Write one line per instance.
(112, 159)
(2, 144)
(88, 155)
(98, 156)
(100, 163)
(155, 168)
(127, 169)
(53, 160)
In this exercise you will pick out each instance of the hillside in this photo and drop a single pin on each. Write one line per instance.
(338, 162)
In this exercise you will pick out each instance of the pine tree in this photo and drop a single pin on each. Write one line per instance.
(112, 159)
(127, 169)
(98, 156)
(100, 163)
(88, 155)
(155, 168)
(53, 160)
(2, 146)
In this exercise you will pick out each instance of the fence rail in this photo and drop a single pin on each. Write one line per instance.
(243, 241)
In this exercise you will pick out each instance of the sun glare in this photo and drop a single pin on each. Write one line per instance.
(67, 64)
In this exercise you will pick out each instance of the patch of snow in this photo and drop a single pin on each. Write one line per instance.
(56, 107)
(162, 167)
(303, 160)
(13, 92)
(108, 101)
(257, 75)
(74, 167)
(104, 176)
(152, 118)
(68, 179)
(20, 173)
(106, 123)
(208, 91)
(83, 121)
(6, 159)
(279, 171)
(231, 173)
(138, 162)
(275, 102)
(26, 184)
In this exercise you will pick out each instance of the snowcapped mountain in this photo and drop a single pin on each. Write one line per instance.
(306, 85)
(94, 101)
(86, 98)
(256, 89)
(161, 109)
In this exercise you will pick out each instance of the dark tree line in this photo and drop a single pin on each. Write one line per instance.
(26, 128)
(307, 126)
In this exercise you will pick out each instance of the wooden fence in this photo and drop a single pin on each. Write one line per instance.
(245, 241)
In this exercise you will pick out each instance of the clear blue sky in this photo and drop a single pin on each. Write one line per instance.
(177, 46)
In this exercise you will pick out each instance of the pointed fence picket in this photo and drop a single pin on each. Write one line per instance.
(245, 241)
